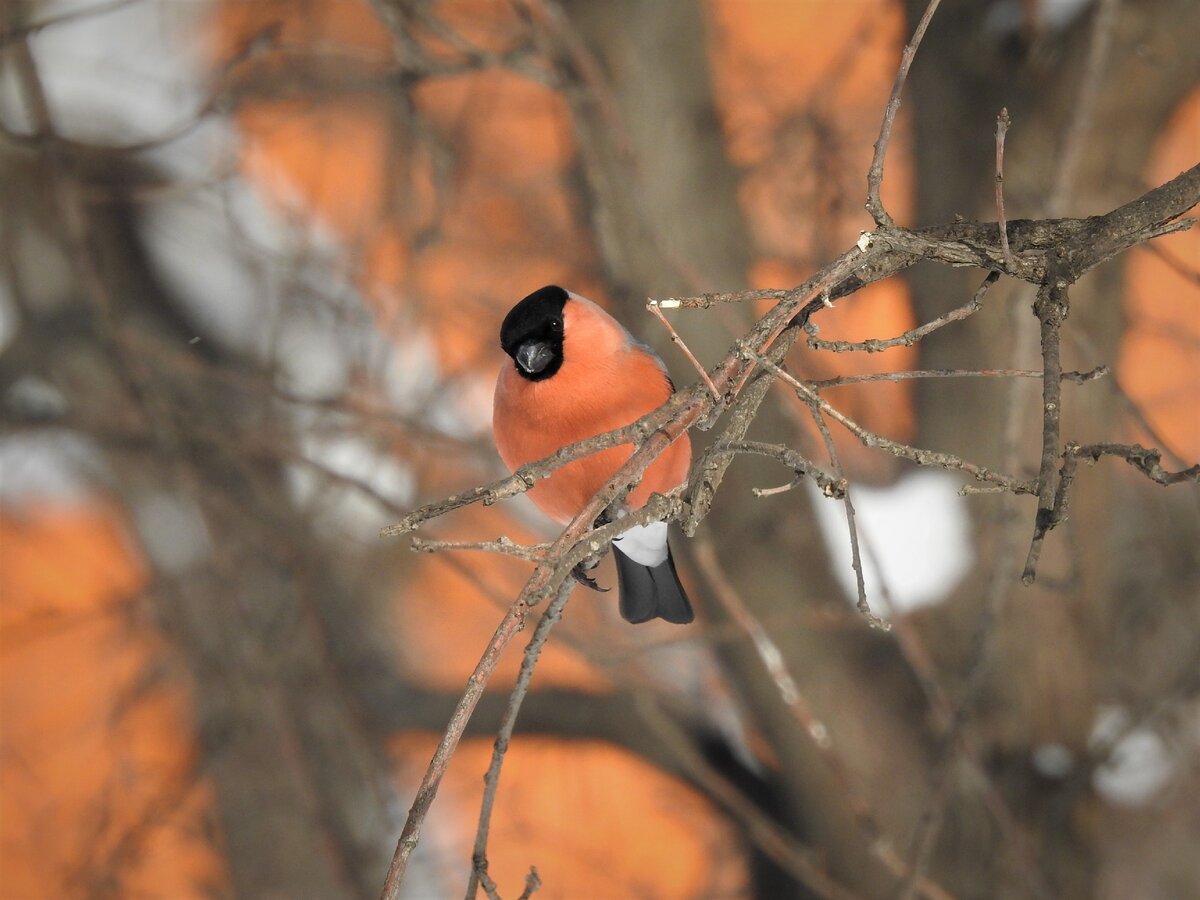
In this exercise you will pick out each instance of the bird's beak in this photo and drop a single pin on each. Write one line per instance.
(534, 356)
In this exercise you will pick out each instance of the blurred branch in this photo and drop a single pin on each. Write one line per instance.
(875, 173)
(801, 861)
(799, 707)
(491, 781)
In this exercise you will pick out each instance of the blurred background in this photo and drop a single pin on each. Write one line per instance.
(253, 260)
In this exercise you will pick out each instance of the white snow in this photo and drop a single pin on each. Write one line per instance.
(917, 530)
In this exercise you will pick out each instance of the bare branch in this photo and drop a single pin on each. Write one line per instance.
(1051, 308)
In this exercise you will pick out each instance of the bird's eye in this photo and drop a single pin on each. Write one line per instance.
(556, 323)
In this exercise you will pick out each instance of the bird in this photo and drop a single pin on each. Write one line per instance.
(574, 372)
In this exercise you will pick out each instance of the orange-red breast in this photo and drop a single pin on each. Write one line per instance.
(575, 372)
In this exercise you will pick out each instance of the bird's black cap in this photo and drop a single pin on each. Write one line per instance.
(536, 322)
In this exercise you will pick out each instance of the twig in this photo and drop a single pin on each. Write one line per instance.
(652, 305)
(875, 173)
(1145, 460)
(914, 454)
(1051, 308)
(533, 881)
(862, 605)
(525, 477)
(704, 301)
(502, 545)
(1002, 123)
(909, 337)
(830, 485)
(513, 621)
(843, 380)
(491, 780)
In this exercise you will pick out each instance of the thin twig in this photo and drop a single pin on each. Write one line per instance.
(491, 780)
(874, 345)
(914, 454)
(830, 485)
(503, 545)
(1002, 123)
(843, 380)
(525, 477)
(705, 301)
(533, 881)
(512, 622)
(1145, 460)
(652, 305)
(863, 606)
(875, 173)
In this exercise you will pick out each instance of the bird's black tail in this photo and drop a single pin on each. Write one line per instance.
(649, 592)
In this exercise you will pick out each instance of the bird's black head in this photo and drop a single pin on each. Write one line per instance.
(532, 333)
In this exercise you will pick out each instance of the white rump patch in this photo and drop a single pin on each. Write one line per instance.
(645, 544)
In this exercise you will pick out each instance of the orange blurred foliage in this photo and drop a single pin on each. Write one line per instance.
(595, 820)
(97, 780)
(1160, 356)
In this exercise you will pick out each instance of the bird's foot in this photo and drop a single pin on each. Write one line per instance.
(580, 574)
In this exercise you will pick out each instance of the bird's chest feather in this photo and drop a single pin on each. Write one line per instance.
(535, 418)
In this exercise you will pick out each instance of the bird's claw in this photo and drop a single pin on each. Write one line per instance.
(580, 574)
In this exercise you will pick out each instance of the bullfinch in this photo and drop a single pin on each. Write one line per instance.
(574, 373)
